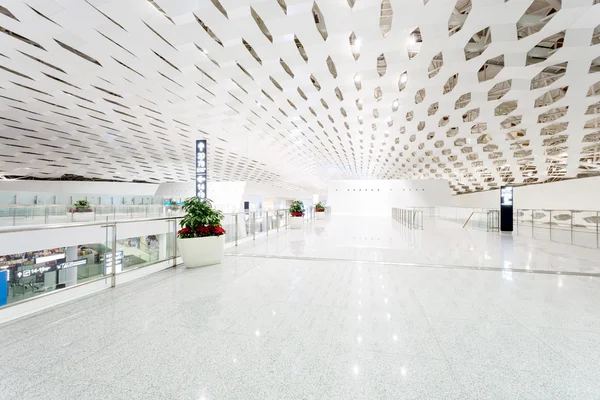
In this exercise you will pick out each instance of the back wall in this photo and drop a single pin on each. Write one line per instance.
(377, 197)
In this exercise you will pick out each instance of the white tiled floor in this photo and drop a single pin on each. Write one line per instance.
(303, 327)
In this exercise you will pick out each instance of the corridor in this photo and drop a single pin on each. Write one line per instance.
(347, 308)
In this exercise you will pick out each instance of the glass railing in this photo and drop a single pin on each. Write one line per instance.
(16, 215)
(578, 227)
(476, 218)
(409, 217)
(93, 251)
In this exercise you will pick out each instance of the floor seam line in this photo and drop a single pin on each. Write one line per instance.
(420, 265)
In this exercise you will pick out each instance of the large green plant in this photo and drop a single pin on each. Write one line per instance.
(200, 213)
(319, 207)
(296, 208)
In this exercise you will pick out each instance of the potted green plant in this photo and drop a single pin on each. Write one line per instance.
(81, 211)
(319, 211)
(297, 215)
(201, 237)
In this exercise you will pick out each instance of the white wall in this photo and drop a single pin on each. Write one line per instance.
(21, 242)
(66, 192)
(116, 188)
(575, 194)
(377, 197)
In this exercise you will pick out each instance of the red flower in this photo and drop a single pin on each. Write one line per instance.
(297, 214)
(201, 231)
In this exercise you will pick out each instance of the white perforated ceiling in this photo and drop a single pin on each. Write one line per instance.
(295, 93)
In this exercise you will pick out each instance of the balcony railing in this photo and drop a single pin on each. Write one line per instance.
(409, 217)
(86, 257)
(17, 215)
(577, 227)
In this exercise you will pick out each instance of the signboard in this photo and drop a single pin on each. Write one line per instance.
(506, 208)
(108, 262)
(52, 267)
(3, 287)
(201, 167)
(53, 257)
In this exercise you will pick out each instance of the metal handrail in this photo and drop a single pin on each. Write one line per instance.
(410, 217)
(170, 256)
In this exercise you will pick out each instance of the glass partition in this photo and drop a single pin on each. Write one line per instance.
(34, 273)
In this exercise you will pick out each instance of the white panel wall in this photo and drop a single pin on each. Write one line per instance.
(116, 188)
(575, 194)
(377, 197)
(21, 242)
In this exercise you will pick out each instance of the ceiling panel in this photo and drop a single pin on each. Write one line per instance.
(297, 93)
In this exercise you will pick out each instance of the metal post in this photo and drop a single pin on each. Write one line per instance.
(175, 243)
(551, 225)
(114, 212)
(532, 223)
(277, 220)
(113, 278)
(254, 225)
(236, 229)
(597, 215)
(571, 227)
(46, 212)
(267, 222)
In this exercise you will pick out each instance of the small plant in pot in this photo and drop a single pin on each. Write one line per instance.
(201, 237)
(297, 214)
(81, 206)
(320, 211)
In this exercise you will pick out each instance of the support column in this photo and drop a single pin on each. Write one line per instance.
(71, 273)
(162, 246)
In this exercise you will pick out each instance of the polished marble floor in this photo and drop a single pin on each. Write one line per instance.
(333, 311)
(440, 243)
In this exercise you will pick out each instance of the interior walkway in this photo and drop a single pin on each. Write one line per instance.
(332, 311)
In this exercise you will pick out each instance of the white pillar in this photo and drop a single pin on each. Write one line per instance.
(162, 246)
(71, 273)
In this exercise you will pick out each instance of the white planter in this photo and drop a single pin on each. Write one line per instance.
(296, 222)
(81, 216)
(320, 215)
(199, 252)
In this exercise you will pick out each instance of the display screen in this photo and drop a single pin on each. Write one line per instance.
(506, 208)
(506, 196)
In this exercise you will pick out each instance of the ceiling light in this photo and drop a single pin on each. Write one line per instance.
(411, 41)
(403, 78)
(357, 78)
(395, 104)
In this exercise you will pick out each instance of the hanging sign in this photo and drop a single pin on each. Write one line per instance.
(51, 267)
(108, 262)
(201, 167)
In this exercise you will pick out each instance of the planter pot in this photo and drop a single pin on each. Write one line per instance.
(320, 215)
(199, 252)
(296, 222)
(81, 216)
